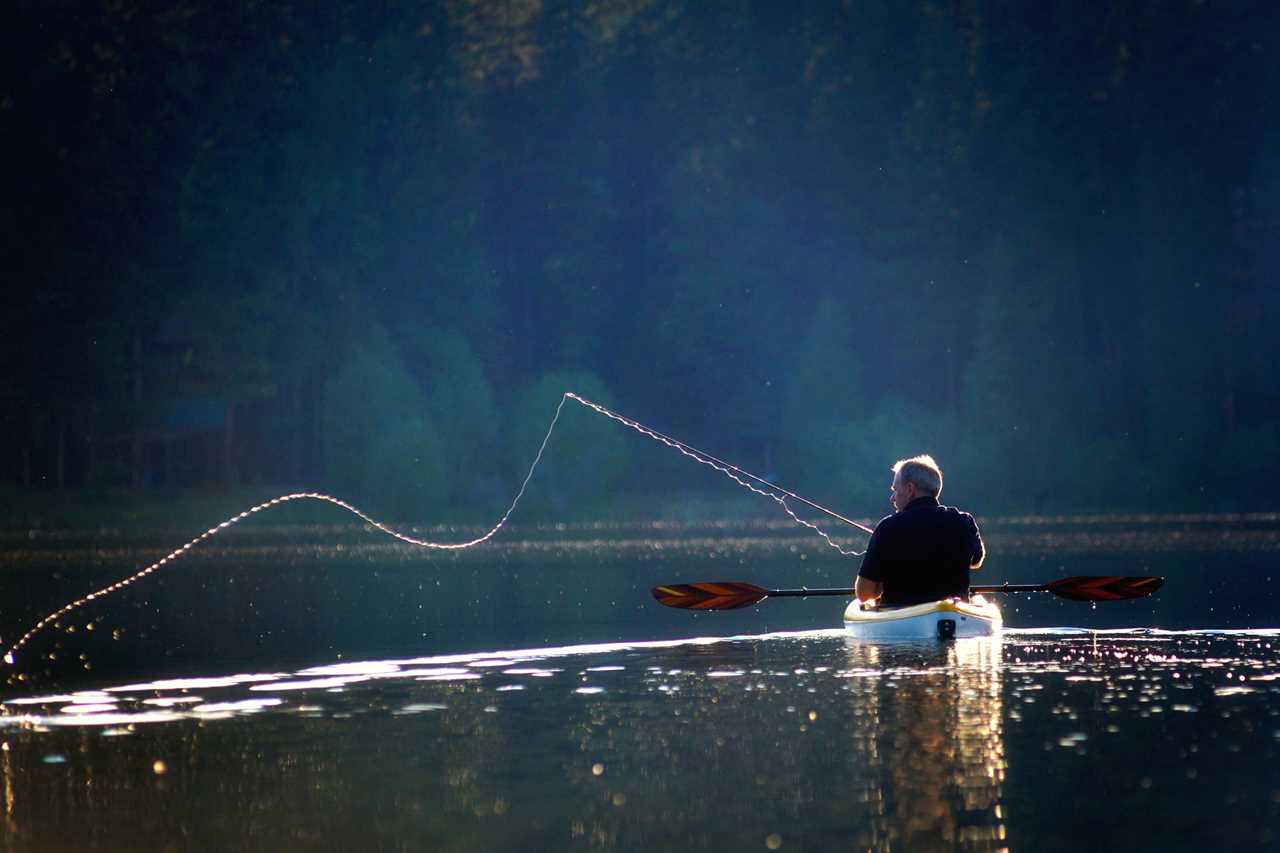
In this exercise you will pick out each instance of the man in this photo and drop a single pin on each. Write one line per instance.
(924, 551)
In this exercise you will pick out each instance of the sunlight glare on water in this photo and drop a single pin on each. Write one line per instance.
(335, 699)
(809, 737)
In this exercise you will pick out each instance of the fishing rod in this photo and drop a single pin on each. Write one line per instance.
(707, 456)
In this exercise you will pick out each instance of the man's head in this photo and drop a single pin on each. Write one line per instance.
(914, 478)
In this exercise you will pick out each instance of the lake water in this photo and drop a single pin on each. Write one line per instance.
(313, 688)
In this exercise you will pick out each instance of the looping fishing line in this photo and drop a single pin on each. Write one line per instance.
(422, 543)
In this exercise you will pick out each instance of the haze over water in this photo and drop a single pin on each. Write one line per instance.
(319, 691)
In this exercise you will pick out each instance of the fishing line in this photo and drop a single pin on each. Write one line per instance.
(777, 494)
(177, 552)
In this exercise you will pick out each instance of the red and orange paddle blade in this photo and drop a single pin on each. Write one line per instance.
(717, 595)
(1104, 588)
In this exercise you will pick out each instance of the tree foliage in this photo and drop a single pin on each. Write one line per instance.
(379, 445)
(1037, 243)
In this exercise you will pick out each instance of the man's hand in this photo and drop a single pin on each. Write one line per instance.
(867, 590)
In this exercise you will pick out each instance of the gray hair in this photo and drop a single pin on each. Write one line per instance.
(921, 470)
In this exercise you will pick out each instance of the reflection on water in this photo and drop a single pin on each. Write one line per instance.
(933, 740)
(718, 743)
(792, 741)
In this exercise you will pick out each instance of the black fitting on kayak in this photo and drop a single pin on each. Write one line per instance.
(946, 629)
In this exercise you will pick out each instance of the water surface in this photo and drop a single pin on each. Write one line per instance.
(317, 692)
(800, 740)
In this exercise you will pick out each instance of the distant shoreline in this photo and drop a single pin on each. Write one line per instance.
(74, 519)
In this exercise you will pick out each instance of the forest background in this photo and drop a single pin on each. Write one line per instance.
(363, 247)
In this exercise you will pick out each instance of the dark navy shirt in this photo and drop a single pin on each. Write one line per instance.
(922, 553)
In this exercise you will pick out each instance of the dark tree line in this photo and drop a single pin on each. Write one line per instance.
(366, 246)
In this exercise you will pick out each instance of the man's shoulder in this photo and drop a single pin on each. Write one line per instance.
(958, 519)
(928, 516)
(953, 510)
(886, 522)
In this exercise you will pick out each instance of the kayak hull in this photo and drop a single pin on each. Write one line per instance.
(931, 621)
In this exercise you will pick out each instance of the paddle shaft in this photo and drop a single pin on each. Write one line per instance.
(1004, 587)
(730, 595)
(1013, 587)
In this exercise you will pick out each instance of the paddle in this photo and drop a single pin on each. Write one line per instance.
(730, 595)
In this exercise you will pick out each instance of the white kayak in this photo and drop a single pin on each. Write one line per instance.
(933, 620)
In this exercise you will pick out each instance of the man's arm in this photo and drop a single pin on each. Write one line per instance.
(867, 590)
(864, 585)
(977, 550)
